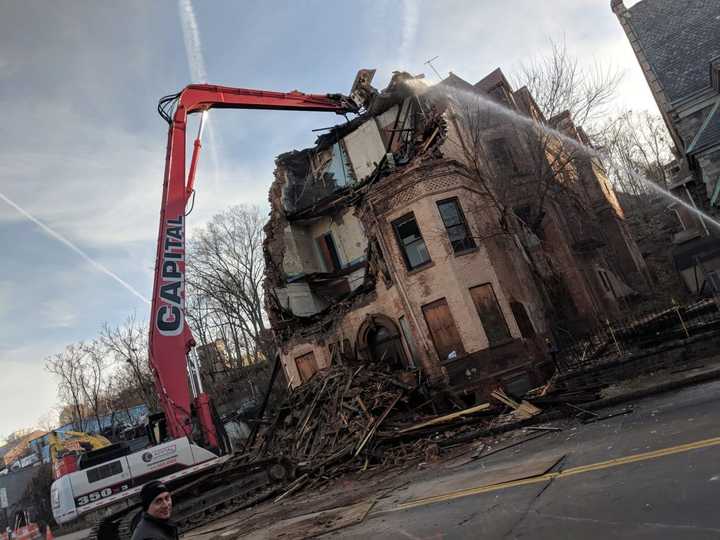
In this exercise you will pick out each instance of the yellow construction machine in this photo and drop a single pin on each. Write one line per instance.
(65, 447)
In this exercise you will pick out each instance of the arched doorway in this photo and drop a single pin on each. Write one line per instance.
(379, 341)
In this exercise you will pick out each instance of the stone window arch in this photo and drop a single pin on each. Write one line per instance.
(379, 340)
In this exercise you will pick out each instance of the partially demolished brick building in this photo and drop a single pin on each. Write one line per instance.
(391, 241)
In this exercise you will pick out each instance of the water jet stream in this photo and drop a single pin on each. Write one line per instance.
(513, 116)
(702, 215)
(481, 102)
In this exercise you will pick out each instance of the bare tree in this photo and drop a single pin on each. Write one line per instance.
(519, 162)
(527, 169)
(94, 387)
(69, 368)
(638, 147)
(17, 435)
(225, 273)
(559, 83)
(132, 380)
(48, 421)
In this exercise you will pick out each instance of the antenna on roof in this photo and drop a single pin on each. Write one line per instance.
(429, 63)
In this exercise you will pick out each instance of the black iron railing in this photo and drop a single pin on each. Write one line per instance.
(638, 335)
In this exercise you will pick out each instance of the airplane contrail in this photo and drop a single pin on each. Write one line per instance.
(198, 73)
(408, 31)
(191, 37)
(60, 238)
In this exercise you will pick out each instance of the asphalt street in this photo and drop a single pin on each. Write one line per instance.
(654, 473)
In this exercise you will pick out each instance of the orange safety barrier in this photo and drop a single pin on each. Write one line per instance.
(29, 532)
(21, 533)
(34, 531)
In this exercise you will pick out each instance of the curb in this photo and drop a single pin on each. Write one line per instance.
(654, 390)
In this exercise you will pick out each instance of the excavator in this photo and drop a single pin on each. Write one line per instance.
(66, 447)
(189, 448)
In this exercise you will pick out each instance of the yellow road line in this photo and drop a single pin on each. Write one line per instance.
(557, 475)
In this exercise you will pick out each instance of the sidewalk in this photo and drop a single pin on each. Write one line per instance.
(662, 381)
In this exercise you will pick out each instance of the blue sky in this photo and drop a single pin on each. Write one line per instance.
(82, 147)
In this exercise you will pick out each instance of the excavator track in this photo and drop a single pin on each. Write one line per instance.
(232, 487)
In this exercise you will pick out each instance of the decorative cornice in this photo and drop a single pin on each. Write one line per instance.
(406, 187)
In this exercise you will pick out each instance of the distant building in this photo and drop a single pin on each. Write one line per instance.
(214, 358)
(677, 44)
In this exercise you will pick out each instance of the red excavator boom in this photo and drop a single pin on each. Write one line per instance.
(170, 337)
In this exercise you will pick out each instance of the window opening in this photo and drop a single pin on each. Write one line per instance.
(329, 253)
(443, 331)
(491, 315)
(306, 366)
(411, 242)
(500, 153)
(522, 319)
(456, 226)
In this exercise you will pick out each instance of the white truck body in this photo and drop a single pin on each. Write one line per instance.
(78, 493)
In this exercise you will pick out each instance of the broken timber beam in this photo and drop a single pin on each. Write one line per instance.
(376, 424)
(447, 418)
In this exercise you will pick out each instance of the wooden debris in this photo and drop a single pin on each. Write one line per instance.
(334, 418)
(447, 418)
(292, 488)
(374, 425)
(543, 428)
(583, 413)
(481, 454)
(522, 410)
(597, 418)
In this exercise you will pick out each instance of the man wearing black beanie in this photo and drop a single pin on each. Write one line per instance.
(157, 508)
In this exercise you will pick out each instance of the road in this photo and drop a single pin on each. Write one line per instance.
(654, 473)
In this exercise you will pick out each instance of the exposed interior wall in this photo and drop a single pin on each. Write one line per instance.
(347, 233)
(365, 148)
(300, 255)
(299, 299)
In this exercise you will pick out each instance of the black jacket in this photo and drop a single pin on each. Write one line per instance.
(151, 528)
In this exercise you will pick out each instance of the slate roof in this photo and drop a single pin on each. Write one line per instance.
(680, 38)
(709, 134)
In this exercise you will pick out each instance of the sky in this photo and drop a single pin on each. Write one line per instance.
(82, 148)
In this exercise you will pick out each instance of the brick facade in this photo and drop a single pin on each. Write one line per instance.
(451, 281)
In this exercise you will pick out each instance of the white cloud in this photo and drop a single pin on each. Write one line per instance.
(57, 313)
(472, 38)
(27, 391)
(6, 305)
(93, 183)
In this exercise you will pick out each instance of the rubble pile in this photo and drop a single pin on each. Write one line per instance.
(352, 418)
(334, 418)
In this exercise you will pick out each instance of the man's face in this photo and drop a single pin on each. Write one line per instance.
(161, 507)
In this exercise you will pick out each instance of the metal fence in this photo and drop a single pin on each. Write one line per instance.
(638, 335)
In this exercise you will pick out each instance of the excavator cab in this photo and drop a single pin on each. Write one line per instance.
(156, 427)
